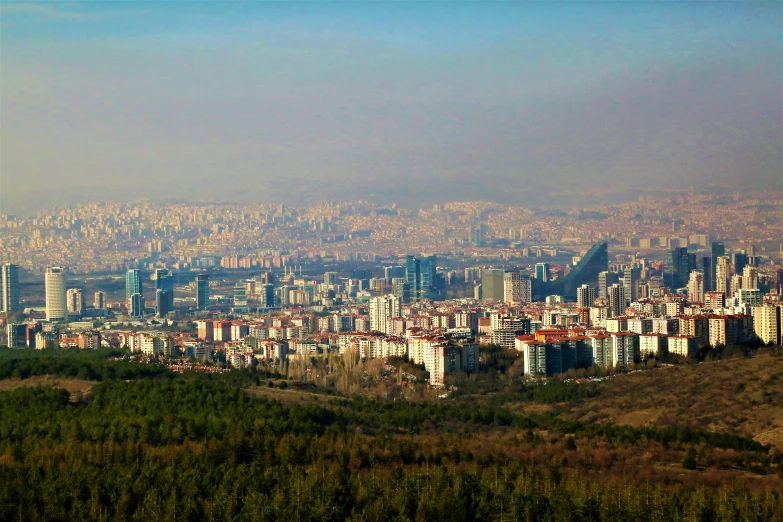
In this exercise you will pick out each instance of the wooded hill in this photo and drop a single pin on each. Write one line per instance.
(160, 446)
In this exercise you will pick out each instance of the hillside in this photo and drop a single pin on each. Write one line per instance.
(739, 396)
(148, 444)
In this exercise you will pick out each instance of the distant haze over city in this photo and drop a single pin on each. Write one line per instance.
(412, 103)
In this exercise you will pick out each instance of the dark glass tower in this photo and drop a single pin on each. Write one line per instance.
(420, 274)
(586, 272)
(164, 281)
(202, 291)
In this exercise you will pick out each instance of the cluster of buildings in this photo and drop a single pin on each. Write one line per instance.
(587, 310)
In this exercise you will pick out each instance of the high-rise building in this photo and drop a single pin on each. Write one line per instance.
(99, 300)
(767, 323)
(492, 284)
(516, 287)
(202, 291)
(705, 266)
(164, 281)
(9, 287)
(585, 295)
(136, 308)
(616, 295)
(696, 287)
(161, 302)
(735, 283)
(56, 309)
(267, 295)
(605, 280)
(631, 277)
(738, 261)
(586, 271)
(543, 272)
(717, 250)
(240, 295)
(75, 300)
(722, 274)
(679, 264)
(750, 277)
(476, 234)
(421, 275)
(390, 272)
(132, 284)
(383, 308)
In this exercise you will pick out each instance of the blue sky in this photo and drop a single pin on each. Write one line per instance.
(420, 101)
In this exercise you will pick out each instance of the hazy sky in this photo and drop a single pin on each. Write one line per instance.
(407, 102)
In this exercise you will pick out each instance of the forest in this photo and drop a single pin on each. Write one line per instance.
(148, 444)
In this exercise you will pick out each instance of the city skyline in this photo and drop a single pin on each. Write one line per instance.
(391, 260)
(414, 103)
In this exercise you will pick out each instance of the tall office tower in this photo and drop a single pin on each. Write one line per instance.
(56, 309)
(132, 284)
(240, 295)
(401, 289)
(586, 271)
(161, 303)
(631, 277)
(202, 291)
(136, 306)
(543, 272)
(268, 295)
(750, 277)
(476, 234)
(605, 280)
(705, 266)
(9, 287)
(74, 300)
(472, 274)
(718, 249)
(696, 287)
(420, 272)
(738, 261)
(330, 278)
(585, 295)
(390, 272)
(679, 264)
(428, 267)
(492, 284)
(99, 300)
(383, 308)
(722, 273)
(616, 294)
(164, 281)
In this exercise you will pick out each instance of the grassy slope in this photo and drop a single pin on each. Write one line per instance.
(740, 396)
(77, 387)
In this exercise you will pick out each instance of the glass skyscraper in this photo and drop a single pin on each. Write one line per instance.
(9, 287)
(132, 283)
(202, 291)
(586, 272)
(164, 291)
(421, 274)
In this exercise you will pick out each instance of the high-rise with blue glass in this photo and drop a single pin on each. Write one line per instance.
(202, 291)
(421, 276)
(132, 284)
